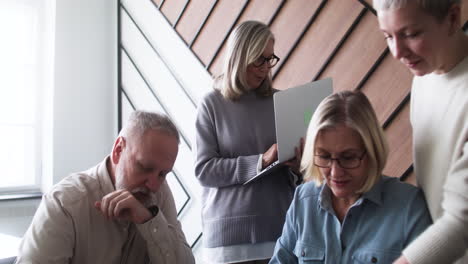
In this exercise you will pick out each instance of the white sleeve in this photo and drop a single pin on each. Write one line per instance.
(163, 234)
(447, 239)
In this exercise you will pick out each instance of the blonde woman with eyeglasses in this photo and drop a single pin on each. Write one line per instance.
(235, 139)
(347, 212)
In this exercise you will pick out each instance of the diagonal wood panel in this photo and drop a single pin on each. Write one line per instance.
(288, 27)
(192, 20)
(387, 87)
(173, 10)
(216, 29)
(317, 43)
(400, 141)
(411, 179)
(158, 2)
(367, 40)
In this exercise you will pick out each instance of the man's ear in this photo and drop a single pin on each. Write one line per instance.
(119, 146)
(454, 18)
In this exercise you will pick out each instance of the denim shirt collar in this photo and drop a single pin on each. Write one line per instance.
(373, 195)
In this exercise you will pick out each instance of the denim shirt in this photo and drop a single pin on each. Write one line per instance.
(376, 228)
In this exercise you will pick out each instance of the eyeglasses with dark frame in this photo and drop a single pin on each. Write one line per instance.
(349, 162)
(271, 61)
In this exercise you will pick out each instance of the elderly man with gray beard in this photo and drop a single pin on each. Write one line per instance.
(120, 211)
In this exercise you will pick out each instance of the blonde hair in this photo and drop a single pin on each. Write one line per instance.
(245, 44)
(353, 110)
(436, 8)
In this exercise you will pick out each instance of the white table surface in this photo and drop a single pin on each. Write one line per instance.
(8, 246)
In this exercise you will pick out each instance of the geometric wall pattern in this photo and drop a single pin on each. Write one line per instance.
(158, 72)
(170, 49)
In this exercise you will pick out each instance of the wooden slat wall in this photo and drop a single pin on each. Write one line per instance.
(315, 39)
(173, 10)
(193, 18)
(217, 28)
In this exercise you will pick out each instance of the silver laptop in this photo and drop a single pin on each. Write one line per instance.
(294, 108)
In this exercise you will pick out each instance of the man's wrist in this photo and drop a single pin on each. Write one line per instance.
(154, 210)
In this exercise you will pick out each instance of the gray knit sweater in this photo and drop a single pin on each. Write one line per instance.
(230, 136)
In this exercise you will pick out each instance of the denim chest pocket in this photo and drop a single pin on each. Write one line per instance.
(374, 257)
(309, 254)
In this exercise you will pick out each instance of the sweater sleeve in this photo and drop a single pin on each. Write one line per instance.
(447, 239)
(211, 169)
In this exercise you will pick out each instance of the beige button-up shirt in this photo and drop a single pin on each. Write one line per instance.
(68, 229)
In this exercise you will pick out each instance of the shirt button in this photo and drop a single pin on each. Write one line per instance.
(374, 260)
(154, 230)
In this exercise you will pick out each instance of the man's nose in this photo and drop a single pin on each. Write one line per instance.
(154, 182)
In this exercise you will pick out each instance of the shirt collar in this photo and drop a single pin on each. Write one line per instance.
(104, 178)
(324, 199)
(375, 193)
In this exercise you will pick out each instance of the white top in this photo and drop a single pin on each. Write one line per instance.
(439, 117)
(238, 253)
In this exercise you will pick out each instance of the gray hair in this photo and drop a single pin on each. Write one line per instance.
(141, 121)
(436, 8)
(246, 43)
(353, 109)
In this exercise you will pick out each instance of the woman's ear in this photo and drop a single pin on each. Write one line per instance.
(454, 18)
(119, 146)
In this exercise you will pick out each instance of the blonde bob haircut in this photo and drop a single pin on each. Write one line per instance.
(436, 8)
(246, 43)
(353, 110)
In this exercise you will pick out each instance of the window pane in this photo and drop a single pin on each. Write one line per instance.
(17, 155)
(19, 84)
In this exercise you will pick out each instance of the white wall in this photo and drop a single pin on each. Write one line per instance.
(85, 93)
(83, 122)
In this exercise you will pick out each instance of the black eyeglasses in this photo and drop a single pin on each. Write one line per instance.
(271, 61)
(345, 162)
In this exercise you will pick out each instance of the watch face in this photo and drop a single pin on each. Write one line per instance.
(153, 210)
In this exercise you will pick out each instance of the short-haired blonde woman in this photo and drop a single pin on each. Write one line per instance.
(426, 36)
(235, 139)
(348, 212)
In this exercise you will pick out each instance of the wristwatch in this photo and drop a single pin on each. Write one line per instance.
(153, 210)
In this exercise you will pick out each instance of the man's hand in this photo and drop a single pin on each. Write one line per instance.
(270, 156)
(401, 260)
(122, 205)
